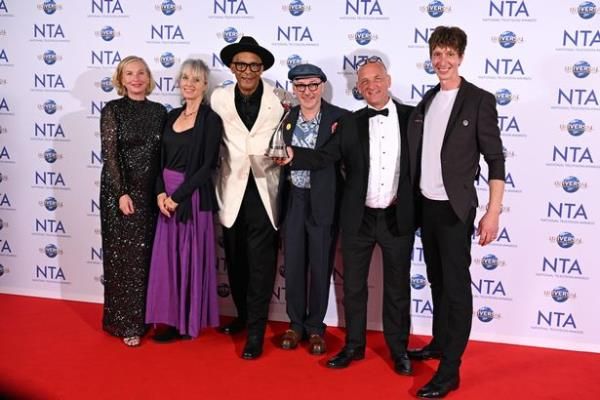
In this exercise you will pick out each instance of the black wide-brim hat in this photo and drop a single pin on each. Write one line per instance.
(249, 44)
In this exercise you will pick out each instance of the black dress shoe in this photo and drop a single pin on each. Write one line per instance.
(345, 357)
(436, 389)
(167, 335)
(235, 326)
(402, 364)
(425, 353)
(253, 348)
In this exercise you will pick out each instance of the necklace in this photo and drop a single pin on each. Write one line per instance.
(187, 114)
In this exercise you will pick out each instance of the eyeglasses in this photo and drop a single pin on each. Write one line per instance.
(301, 87)
(370, 60)
(242, 66)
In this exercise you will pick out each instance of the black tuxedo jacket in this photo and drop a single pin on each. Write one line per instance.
(350, 144)
(472, 131)
(324, 191)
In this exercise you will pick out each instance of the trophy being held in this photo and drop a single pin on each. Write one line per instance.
(277, 146)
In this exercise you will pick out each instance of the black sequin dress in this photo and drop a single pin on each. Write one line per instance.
(131, 137)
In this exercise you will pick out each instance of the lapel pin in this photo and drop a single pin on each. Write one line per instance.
(288, 127)
(465, 122)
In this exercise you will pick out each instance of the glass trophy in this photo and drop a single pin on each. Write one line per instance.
(277, 146)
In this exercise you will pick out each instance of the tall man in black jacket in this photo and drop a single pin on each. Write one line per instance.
(454, 124)
(377, 208)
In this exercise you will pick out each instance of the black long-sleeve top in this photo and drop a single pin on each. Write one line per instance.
(200, 163)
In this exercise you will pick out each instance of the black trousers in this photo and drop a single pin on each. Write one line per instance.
(378, 227)
(308, 265)
(447, 250)
(251, 254)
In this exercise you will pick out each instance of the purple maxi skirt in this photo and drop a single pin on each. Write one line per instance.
(182, 286)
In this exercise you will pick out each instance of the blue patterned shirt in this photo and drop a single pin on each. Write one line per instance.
(305, 135)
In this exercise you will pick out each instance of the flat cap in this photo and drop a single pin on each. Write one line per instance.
(306, 71)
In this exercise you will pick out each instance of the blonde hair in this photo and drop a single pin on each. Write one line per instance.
(198, 68)
(118, 75)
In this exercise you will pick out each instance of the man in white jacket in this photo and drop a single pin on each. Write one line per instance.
(247, 187)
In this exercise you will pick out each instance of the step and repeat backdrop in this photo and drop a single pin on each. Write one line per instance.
(536, 285)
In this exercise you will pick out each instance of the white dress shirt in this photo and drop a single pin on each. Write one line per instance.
(384, 158)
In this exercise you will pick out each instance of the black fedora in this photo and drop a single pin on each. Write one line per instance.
(249, 44)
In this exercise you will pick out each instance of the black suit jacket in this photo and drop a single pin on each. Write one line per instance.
(201, 162)
(350, 144)
(472, 131)
(324, 191)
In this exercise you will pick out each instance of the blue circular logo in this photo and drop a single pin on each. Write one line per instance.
(507, 39)
(50, 156)
(586, 10)
(581, 69)
(1, 269)
(49, 7)
(565, 240)
(106, 84)
(503, 97)
(485, 314)
(223, 290)
(435, 9)
(230, 34)
(418, 281)
(489, 262)
(107, 33)
(571, 184)
(363, 36)
(168, 7)
(560, 294)
(576, 127)
(50, 106)
(296, 8)
(167, 59)
(293, 60)
(51, 250)
(428, 67)
(356, 93)
(49, 57)
(50, 203)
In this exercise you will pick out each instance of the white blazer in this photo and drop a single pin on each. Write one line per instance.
(245, 150)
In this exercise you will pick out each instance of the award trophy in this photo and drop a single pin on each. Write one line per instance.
(277, 146)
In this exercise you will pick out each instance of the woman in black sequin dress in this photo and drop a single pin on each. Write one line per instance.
(130, 129)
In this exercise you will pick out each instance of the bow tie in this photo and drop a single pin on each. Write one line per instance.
(371, 112)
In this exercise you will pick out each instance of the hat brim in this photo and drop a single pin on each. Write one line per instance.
(231, 50)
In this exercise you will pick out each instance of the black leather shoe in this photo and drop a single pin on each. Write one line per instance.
(345, 357)
(166, 335)
(402, 364)
(235, 326)
(253, 348)
(424, 353)
(436, 389)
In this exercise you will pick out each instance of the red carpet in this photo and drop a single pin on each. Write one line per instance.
(52, 349)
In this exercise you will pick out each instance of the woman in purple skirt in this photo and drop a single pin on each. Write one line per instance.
(182, 288)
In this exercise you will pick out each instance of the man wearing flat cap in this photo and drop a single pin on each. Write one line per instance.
(247, 187)
(309, 212)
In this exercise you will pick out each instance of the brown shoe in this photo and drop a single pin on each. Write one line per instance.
(289, 340)
(317, 344)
